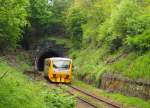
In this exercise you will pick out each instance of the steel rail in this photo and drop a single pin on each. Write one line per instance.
(95, 97)
(81, 99)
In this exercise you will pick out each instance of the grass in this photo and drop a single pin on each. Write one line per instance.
(126, 101)
(135, 66)
(17, 91)
(88, 64)
(91, 63)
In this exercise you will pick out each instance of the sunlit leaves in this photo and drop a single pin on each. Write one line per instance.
(13, 16)
(39, 11)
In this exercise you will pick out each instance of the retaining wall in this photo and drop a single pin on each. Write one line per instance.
(117, 83)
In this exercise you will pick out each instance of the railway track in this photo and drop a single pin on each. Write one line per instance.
(85, 101)
(98, 99)
(107, 103)
(89, 104)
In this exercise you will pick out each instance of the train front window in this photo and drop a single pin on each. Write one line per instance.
(60, 65)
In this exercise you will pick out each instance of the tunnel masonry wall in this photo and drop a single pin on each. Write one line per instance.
(47, 49)
(117, 83)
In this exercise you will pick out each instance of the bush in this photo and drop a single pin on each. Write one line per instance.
(141, 42)
(135, 66)
(122, 21)
(74, 22)
(59, 100)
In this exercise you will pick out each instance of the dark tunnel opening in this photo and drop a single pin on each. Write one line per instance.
(48, 54)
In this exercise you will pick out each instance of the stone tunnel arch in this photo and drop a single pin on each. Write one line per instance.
(47, 49)
(43, 56)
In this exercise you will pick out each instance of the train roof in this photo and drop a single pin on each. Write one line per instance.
(60, 58)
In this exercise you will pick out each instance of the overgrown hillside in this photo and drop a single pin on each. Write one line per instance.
(112, 36)
(92, 63)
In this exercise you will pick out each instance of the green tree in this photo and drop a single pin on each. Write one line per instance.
(74, 22)
(141, 39)
(56, 25)
(13, 16)
(127, 26)
(39, 12)
(39, 18)
(98, 12)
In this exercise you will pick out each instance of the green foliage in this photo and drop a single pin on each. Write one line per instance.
(45, 19)
(125, 20)
(91, 63)
(39, 12)
(111, 26)
(59, 9)
(56, 26)
(16, 91)
(61, 101)
(97, 13)
(39, 17)
(74, 22)
(116, 23)
(128, 20)
(89, 66)
(123, 17)
(13, 16)
(135, 66)
(141, 41)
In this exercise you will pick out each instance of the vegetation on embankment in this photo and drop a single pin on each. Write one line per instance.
(125, 101)
(18, 91)
(92, 63)
(110, 36)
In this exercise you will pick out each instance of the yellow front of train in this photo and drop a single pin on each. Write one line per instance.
(59, 69)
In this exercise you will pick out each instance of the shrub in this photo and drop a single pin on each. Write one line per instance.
(141, 41)
(74, 22)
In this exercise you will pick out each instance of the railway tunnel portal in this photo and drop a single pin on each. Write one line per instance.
(45, 50)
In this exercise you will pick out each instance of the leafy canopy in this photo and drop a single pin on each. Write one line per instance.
(13, 16)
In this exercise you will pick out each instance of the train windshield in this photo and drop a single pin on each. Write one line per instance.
(60, 65)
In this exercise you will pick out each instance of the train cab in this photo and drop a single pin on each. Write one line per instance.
(58, 69)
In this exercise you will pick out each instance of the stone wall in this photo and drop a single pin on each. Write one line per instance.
(46, 49)
(117, 83)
